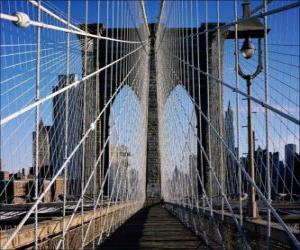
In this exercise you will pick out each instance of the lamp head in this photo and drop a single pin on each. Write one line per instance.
(248, 48)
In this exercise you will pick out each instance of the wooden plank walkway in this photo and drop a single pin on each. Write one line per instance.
(153, 228)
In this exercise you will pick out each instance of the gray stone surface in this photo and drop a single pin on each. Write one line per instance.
(153, 158)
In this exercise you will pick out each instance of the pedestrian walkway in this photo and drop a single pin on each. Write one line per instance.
(153, 228)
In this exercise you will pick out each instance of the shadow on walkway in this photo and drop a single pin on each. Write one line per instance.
(152, 228)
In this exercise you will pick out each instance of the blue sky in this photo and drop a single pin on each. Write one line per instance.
(152, 10)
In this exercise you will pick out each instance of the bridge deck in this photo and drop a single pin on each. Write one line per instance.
(153, 228)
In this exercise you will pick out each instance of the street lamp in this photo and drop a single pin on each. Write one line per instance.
(249, 29)
(248, 48)
(247, 52)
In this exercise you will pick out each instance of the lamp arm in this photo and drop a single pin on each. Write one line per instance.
(259, 67)
(242, 74)
(258, 70)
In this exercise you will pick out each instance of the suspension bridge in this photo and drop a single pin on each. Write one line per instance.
(150, 124)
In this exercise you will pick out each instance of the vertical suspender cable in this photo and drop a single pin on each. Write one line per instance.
(220, 107)
(208, 107)
(200, 105)
(192, 183)
(37, 118)
(105, 96)
(237, 98)
(266, 88)
(85, 107)
(66, 125)
(96, 132)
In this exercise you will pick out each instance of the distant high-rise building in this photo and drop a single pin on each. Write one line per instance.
(60, 123)
(260, 163)
(290, 151)
(43, 146)
(133, 181)
(230, 161)
(117, 177)
(175, 179)
(229, 128)
(296, 172)
(280, 177)
(275, 172)
(193, 180)
(261, 167)
(4, 175)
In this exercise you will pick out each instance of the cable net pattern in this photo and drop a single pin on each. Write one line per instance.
(74, 84)
(216, 163)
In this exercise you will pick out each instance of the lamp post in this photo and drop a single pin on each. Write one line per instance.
(247, 52)
(248, 29)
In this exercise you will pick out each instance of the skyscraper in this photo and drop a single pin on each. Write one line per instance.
(230, 161)
(118, 172)
(296, 172)
(60, 122)
(193, 190)
(290, 151)
(43, 145)
(229, 129)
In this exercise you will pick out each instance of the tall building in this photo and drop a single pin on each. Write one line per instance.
(260, 161)
(193, 176)
(280, 179)
(4, 175)
(275, 173)
(231, 173)
(133, 183)
(175, 179)
(229, 128)
(60, 123)
(43, 146)
(289, 160)
(289, 150)
(118, 173)
(296, 172)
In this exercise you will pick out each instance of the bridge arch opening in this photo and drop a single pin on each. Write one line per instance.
(178, 140)
(126, 176)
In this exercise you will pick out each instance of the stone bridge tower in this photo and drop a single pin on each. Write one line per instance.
(153, 188)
